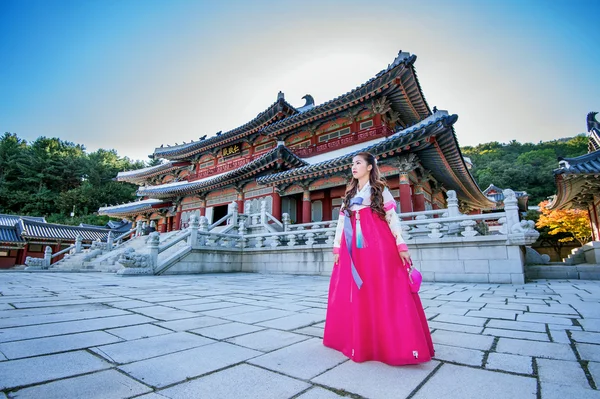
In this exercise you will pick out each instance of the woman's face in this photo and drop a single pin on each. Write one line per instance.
(360, 167)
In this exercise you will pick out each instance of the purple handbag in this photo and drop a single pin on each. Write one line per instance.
(414, 278)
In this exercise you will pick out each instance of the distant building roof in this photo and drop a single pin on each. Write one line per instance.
(11, 220)
(29, 229)
(8, 234)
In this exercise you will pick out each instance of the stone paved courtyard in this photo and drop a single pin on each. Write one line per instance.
(259, 336)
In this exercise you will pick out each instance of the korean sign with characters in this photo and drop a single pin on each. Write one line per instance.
(231, 150)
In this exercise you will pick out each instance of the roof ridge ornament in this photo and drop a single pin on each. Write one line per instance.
(592, 123)
(280, 96)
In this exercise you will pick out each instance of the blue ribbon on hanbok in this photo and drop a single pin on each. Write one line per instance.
(348, 233)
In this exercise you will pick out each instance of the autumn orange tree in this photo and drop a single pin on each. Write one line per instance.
(573, 224)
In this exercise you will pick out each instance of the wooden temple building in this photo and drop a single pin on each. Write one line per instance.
(298, 159)
(578, 179)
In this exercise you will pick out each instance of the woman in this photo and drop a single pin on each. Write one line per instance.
(372, 313)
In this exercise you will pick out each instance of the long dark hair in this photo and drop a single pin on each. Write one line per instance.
(377, 186)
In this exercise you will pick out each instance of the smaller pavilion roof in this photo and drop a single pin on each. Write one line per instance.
(11, 220)
(139, 175)
(9, 234)
(32, 230)
(584, 164)
(577, 181)
(133, 208)
(186, 187)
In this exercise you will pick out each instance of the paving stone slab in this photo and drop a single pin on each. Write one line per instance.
(589, 352)
(177, 367)
(559, 336)
(497, 332)
(165, 313)
(130, 304)
(554, 309)
(561, 372)
(53, 310)
(454, 327)
(312, 331)
(109, 384)
(293, 322)
(131, 351)
(191, 324)
(544, 318)
(586, 337)
(319, 393)
(55, 318)
(303, 360)
(223, 331)
(594, 369)
(456, 354)
(251, 382)
(452, 381)
(259, 316)
(556, 391)
(61, 343)
(495, 314)
(137, 332)
(2, 357)
(463, 340)
(69, 327)
(465, 320)
(517, 325)
(267, 340)
(201, 307)
(376, 380)
(22, 372)
(233, 310)
(590, 324)
(507, 362)
(548, 350)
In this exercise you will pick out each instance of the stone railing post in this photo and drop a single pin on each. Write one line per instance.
(47, 257)
(109, 241)
(263, 212)
(286, 221)
(453, 204)
(153, 242)
(138, 229)
(194, 225)
(78, 244)
(511, 207)
(234, 213)
(203, 224)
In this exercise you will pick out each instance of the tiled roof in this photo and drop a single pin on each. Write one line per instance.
(499, 196)
(11, 220)
(10, 235)
(185, 150)
(441, 156)
(584, 164)
(145, 173)
(409, 101)
(133, 208)
(169, 190)
(29, 230)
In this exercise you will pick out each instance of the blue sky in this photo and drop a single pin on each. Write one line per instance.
(132, 75)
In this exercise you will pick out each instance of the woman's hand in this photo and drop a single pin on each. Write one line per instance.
(336, 259)
(405, 256)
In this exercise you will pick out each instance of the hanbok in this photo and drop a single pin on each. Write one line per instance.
(382, 320)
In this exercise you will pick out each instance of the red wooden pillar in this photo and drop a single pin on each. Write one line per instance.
(240, 201)
(202, 207)
(177, 223)
(22, 255)
(419, 199)
(406, 204)
(276, 204)
(306, 216)
(327, 206)
(377, 120)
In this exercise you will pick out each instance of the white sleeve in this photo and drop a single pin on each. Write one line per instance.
(389, 204)
(338, 234)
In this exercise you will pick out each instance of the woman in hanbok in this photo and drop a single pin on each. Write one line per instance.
(372, 314)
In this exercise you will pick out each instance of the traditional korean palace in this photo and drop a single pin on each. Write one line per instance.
(298, 159)
(578, 179)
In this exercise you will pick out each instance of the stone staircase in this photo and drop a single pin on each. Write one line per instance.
(97, 260)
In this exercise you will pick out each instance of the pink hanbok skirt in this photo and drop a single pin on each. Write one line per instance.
(383, 320)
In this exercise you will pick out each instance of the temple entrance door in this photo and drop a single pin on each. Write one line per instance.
(218, 213)
(288, 205)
